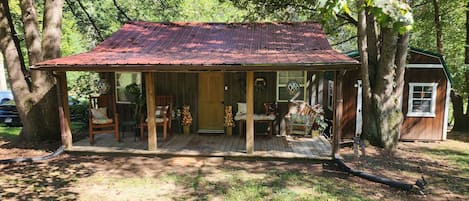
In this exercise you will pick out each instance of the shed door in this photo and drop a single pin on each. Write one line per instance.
(211, 102)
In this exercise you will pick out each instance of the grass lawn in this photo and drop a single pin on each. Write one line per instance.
(70, 177)
(9, 132)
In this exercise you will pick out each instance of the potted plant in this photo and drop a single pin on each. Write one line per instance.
(134, 94)
(319, 122)
(186, 119)
(229, 120)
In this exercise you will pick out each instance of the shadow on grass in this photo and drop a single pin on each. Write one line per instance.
(42, 181)
(281, 181)
(446, 177)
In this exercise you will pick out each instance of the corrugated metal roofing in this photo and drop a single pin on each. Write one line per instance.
(147, 46)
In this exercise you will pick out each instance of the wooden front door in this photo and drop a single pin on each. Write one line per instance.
(211, 102)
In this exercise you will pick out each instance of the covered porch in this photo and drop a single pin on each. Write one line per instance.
(280, 147)
(196, 48)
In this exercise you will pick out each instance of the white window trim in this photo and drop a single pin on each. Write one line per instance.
(330, 94)
(139, 82)
(433, 101)
(284, 85)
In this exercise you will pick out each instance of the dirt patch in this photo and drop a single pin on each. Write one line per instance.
(71, 177)
(412, 160)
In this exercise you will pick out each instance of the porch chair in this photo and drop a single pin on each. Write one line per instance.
(300, 118)
(103, 117)
(163, 115)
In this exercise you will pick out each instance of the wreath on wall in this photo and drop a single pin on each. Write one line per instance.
(293, 87)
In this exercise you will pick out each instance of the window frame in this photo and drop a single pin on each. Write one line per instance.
(119, 98)
(277, 87)
(411, 99)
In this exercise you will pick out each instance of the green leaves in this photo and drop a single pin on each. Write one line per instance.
(388, 13)
(392, 14)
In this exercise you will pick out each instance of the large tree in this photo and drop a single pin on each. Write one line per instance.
(460, 117)
(383, 40)
(382, 32)
(34, 91)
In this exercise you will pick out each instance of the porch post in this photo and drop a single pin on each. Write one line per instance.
(338, 107)
(249, 112)
(150, 96)
(64, 110)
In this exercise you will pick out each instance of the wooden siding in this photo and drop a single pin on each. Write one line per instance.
(413, 128)
(348, 119)
(424, 128)
(184, 88)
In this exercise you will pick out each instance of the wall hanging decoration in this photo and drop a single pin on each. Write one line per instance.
(103, 86)
(260, 83)
(293, 87)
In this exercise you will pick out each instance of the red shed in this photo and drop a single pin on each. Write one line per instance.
(425, 101)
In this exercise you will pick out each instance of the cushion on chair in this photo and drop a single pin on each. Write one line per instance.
(255, 117)
(99, 113)
(299, 119)
(99, 116)
(241, 108)
(102, 121)
(161, 110)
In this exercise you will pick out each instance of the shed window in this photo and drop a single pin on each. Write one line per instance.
(291, 85)
(123, 80)
(422, 99)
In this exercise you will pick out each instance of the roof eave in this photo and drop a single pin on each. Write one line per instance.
(198, 67)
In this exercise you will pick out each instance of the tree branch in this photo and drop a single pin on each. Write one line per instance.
(121, 11)
(74, 13)
(16, 41)
(348, 18)
(91, 21)
(344, 41)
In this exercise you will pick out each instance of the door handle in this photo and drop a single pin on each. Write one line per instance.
(222, 102)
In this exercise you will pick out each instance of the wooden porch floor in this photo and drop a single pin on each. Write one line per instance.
(284, 147)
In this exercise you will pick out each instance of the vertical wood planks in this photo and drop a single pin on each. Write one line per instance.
(338, 107)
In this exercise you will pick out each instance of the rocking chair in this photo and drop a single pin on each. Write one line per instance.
(103, 117)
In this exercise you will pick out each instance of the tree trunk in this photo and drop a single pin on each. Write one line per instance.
(36, 103)
(438, 29)
(461, 119)
(369, 120)
(383, 93)
(458, 113)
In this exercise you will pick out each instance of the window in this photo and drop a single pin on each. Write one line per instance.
(330, 94)
(291, 85)
(123, 80)
(422, 98)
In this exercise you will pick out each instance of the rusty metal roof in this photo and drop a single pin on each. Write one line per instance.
(150, 46)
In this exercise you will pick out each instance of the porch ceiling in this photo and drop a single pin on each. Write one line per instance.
(148, 46)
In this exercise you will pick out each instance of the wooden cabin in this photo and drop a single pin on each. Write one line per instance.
(425, 112)
(209, 66)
